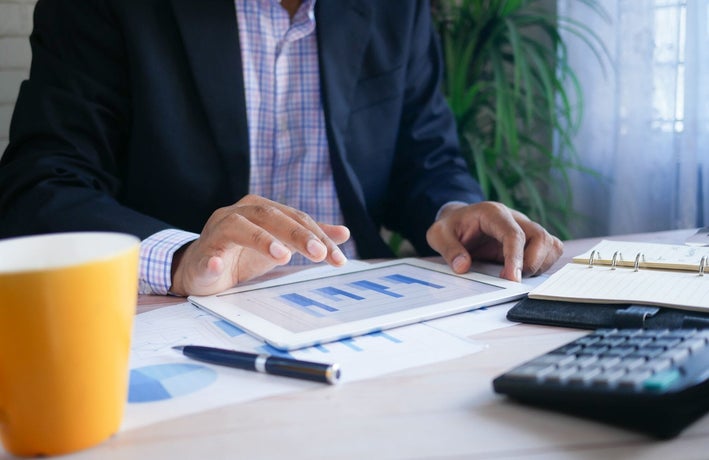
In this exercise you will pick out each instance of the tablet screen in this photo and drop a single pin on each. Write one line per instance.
(313, 304)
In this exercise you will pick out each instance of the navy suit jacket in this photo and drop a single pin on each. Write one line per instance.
(133, 119)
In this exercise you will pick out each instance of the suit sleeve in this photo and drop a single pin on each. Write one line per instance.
(428, 170)
(70, 128)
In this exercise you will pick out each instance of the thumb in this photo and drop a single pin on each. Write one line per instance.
(207, 275)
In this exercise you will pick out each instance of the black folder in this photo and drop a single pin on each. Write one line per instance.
(600, 316)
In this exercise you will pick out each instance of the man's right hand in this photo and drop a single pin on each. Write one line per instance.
(249, 238)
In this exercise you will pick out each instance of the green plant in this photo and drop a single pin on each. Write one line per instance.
(516, 100)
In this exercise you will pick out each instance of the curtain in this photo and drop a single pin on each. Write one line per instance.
(645, 126)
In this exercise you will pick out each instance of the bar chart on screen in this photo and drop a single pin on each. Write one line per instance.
(346, 297)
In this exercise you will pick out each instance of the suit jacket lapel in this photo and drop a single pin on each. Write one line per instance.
(343, 30)
(211, 39)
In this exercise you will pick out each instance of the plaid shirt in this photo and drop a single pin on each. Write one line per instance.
(288, 144)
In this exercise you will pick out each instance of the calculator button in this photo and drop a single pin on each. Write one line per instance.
(665, 342)
(553, 360)
(681, 334)
(693, 344)
(560, 375)
(530, 371)
(608, 377)
(632, 363)
(625, 333)
(654, 333)
(584, 376)
(676, 355)
(569, 349)
(619, 351)
(647, 353)
(593, 350)
(612, 341)
(607, 362)
(634, 378)
(656, 365)
(662, 380)
(638, 341)
(703, 334)
(588, 340)
(585, 360)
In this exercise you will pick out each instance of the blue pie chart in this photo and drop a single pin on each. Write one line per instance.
(166, 381)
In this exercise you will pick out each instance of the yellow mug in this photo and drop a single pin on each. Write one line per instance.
(67, 302)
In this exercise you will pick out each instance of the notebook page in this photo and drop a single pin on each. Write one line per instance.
(668, 256)
(601, 284)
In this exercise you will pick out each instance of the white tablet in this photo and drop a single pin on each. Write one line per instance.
(318, 306)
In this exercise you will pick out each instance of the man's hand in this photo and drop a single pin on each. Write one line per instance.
(249, 238)
(491, 231)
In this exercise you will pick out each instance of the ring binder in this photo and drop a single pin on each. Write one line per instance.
(638, 256)
(647, 255)
(658, 275)
(616, 257)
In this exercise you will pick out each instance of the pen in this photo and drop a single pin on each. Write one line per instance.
(287, 367)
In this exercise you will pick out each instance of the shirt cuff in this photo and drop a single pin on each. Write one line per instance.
(156, 252)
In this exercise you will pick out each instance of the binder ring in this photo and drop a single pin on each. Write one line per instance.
(639, 256)
(594, 255)
(616, 257)
(702, 265)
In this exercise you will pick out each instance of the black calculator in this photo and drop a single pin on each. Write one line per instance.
(651, 380)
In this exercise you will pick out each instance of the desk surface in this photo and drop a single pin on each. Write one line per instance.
(446, 410)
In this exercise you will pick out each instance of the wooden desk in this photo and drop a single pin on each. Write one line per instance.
(446, 410)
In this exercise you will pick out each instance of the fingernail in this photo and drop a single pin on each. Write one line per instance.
(316, 249)
(277, 250)
(338, 257)
(518, 275)
(459, 263)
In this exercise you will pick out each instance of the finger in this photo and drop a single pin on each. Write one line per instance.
(498, 224)
(231, 228)
(289, 227)
(298, 230)
(542, 249)
(513, 254)
(338, 234)
(329, 240)
(552, 250)
(442, 238)
(553, 256)
(294, 228)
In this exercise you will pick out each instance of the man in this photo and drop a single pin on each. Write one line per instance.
(234, 135)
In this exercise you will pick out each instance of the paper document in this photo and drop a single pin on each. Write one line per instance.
(164, 384)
